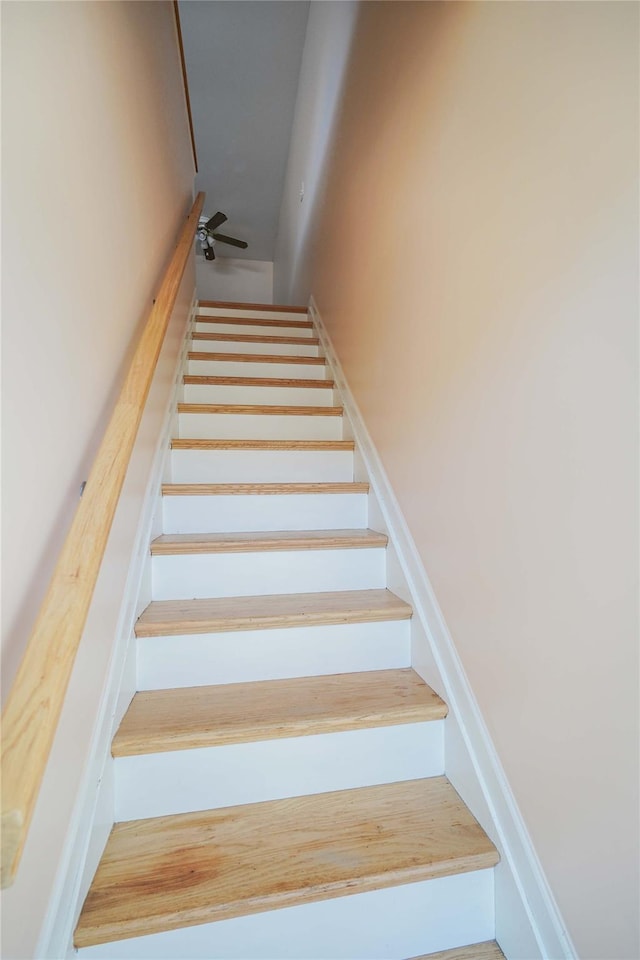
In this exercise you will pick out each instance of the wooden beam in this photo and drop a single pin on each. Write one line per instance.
(185, 81)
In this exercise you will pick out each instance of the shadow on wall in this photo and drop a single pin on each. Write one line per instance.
(229, 278)
(327, 50)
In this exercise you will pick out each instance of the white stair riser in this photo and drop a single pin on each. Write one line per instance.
(228, 514)
(390, 924)
(255, 346)
(261, 466)
(182, 781)
(231, 426)
(246, 368)
(250, 574)
(256, 314)
(193, 660)
(281, 396)
(248, 329)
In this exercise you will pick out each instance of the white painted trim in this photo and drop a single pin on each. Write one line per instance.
(524, 874)
(88, 830)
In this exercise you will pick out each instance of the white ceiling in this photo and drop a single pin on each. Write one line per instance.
(243, 61)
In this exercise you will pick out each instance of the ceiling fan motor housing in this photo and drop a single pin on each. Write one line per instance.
(207, 235)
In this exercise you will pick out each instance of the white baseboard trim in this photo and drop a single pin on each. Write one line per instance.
(92, 817)
(476, 771)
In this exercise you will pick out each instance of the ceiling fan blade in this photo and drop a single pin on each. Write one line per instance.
(216, 221)
(208, 253)
(232, 240)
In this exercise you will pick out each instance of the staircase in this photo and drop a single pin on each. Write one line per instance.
(280, 788)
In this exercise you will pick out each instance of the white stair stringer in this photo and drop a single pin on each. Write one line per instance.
(213, 490)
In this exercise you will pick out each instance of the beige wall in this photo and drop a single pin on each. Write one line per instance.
(97, 175)
(477, 269)
(97, 178)
(325, 57)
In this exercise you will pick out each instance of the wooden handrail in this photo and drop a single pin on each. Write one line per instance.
(34, 704)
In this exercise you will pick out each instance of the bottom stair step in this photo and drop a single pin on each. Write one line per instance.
(170, 872)
(489, 950)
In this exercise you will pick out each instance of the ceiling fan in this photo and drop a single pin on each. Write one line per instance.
(207, 235)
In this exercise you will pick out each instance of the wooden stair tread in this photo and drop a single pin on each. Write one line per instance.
(259, 489)
(257, 322)
(169, 872)
(255, 338)
(186, 443)
(230, 614)
(256, 358)
(254, 409)
(258, 382)
(183, 719)
(488, 950)
(237, 305)
(172, 544)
